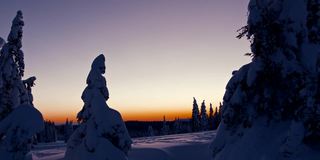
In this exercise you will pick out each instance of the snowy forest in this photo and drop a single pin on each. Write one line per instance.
(270, 109)
(201, 120)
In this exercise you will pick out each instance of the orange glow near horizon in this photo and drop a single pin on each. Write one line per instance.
(154, 116)
(127, 116)
(139, 112)
(143, 111)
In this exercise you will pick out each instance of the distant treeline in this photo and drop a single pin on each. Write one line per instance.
(156, 128)
(201, 120)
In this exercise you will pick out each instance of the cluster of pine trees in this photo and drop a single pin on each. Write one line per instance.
(48, 134)
(177, 126)
(167, 127)
(201, 121)
(53, 132)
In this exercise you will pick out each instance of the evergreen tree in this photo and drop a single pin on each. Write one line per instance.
(101, 133)
(216, 118)
(19, 119)
(195, 116)
(219, 114)
(203, 117)
(279, 85)
(211, 124)
(12, 69)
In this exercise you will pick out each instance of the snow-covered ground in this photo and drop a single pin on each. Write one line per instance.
(189, 146)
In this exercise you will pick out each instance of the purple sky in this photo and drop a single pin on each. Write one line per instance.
(159, 53)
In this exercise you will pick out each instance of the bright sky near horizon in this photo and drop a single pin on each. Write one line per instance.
(159, 53)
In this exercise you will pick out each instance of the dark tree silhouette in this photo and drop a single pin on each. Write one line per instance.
(195, 116)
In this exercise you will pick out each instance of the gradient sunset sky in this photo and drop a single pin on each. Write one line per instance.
(159, 53)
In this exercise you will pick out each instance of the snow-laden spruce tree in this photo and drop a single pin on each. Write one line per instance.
(271, 107)
(203, 117)
(195, 121)
(19, 119)
(102, 133)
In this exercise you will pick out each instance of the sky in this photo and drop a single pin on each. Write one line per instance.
(159, 53)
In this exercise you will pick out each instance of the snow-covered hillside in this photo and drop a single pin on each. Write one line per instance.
(171, 147)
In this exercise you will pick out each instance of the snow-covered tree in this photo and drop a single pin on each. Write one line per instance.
(12, 68)
(271, 106)
(195, 116)
(102, 133)
(19, 119)
(203, 117)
